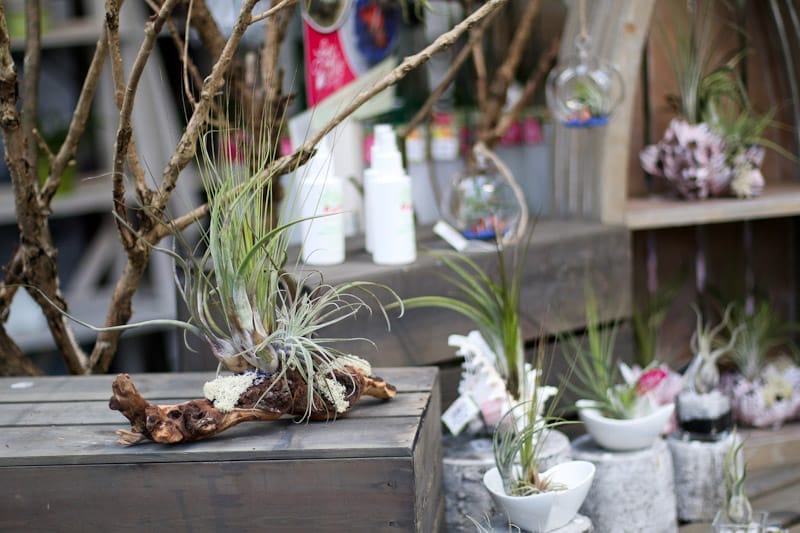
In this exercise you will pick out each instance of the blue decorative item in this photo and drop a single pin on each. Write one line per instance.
(376, 29)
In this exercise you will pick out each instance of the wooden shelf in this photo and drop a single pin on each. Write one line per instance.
(89, 196)
(778, 200)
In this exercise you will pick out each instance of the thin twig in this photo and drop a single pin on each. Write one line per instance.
(546, 62)
(120, 310)
(283, 4)
(30, 81)
(78, 121)
(476, 34)
(505, 74)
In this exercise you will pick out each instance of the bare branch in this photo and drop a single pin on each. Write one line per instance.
(475, 36)
(505, 74)
(283, 4)
(30, 82)
(77, 124)
(546, 62)
(444, 41)
(120, 309)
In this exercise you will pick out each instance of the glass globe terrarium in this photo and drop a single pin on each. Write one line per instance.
(481, 201)
(582, 92)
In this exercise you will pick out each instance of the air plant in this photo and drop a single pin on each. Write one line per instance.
(271, 318)
(521, 433)
(702, 375)
(760, 332)
(737, 505)
(716, 147)
(492, 305)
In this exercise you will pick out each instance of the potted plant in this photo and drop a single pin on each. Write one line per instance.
(618, 415)
(765, 387)
(532, 499)
(704, 410)
(737, 515)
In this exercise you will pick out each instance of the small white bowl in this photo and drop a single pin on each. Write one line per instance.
(623, 434)
(549, 510)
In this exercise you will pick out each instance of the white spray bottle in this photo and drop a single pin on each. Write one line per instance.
(389, 211)
(320, 195)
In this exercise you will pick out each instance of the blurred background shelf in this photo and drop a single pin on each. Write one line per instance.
(778, 200)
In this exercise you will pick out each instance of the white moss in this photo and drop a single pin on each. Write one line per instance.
(334, 392)
(225, 391)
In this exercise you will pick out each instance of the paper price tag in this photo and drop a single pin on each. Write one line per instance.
(460, 413)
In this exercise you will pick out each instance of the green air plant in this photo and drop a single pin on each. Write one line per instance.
(647, 319)
(702, 375)
(521, 433)
(492, 305)
(737, 505)
(758, 334)
(271, 318)
(707, 80)
(595, 366)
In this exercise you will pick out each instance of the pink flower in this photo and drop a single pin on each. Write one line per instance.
(650, 380)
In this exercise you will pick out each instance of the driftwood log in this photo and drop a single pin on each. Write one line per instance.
(270, 399)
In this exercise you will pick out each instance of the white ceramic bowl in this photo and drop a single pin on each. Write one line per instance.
(624, 434)
(550, 510)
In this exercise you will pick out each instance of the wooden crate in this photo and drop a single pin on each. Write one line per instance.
(378, 469)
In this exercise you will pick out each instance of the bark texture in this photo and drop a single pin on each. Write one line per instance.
(269, 399)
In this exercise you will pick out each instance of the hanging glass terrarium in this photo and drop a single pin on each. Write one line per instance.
(481, 201)
(582, 91)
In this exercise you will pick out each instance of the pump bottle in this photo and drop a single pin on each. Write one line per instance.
(320, 195)
(389, 211)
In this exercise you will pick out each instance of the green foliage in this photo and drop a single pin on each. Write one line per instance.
(492, 305)
(594, 365)
(520, 435)
(271, 320)
(737, 505)
(707, 79)
(647, 319)
(759, 333)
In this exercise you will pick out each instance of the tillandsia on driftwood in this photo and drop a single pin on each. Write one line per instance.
(268, 397)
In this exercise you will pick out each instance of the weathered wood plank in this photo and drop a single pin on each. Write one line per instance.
(185, 385)
(428, 480)
(765, 448)
(281, 439)
(309, 495)
(97, 412)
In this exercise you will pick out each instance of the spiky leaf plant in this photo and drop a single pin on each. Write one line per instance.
(271, 317)
(707, 79)
(521, 433)
(759, 332)
(492, 305)
(595, 366)
(702, 375)
(737, 504)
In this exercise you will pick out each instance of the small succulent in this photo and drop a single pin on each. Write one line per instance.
(703, 374)
(737, 505)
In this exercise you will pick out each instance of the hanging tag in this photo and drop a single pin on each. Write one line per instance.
(460, 413)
